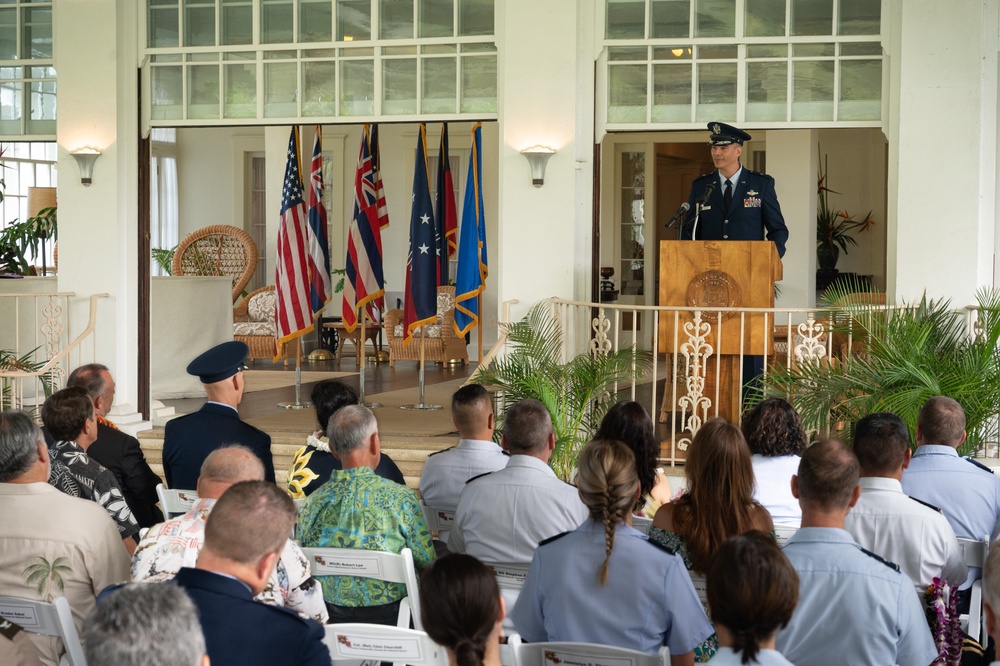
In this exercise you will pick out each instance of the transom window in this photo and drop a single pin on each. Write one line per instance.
(27, 75)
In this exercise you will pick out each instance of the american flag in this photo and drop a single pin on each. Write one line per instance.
(421, 264)
(319, 247)
(292, 314)
(364, 283)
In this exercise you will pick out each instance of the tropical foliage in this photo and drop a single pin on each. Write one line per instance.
(836, 227)
(577, 393)
(10, 362)
(900, 357)
(46, 577)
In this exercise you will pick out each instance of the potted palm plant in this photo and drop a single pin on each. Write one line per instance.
(835, 229)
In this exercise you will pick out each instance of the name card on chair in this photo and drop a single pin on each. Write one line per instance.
(346, 565)
(22, 615)
(508, 576)
(563, 658)
(385, 649)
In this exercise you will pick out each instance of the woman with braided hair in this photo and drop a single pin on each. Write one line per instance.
(462, 610)
(752, 590)
(605, 582)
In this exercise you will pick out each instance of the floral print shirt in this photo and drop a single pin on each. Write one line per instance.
(168, 546)
(357, 508)
(75, 473)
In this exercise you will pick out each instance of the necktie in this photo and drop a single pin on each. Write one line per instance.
(728, 194)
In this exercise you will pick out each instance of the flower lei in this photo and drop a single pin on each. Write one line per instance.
(942, 615)
(318, 441)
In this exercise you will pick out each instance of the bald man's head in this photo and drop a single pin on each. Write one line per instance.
(225, 466)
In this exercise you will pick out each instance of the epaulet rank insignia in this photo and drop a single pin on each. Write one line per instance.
(657, 544)
(552, 538)
(441, 451)
(927, 504)
(478, 476)
(978, 464)
(891, 565)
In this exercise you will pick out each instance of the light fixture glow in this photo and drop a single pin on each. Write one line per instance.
(537, 157)
(85, 158)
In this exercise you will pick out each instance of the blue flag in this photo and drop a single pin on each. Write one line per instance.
(420, 307)
(470, 278)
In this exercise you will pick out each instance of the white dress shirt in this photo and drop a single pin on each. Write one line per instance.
(906, 532)
(446, 472)
(774, 487)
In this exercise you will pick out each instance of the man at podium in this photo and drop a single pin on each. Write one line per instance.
(733, 203)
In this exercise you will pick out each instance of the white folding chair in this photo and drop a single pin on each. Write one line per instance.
(356, 643)
(642, 524)
(175, 502)
(510, 579)
(438, 520)
(592, 654)
(360, 563)
(700, 588)
(974, 553)
(48, 619)
(783, 533)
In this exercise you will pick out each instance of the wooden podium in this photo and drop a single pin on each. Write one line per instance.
(719, 274)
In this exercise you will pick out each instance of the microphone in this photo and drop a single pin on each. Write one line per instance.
(679, 215)
(707, 193)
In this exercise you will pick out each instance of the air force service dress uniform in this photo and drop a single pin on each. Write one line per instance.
(446, 472)
(753, 213)
(649, 600)
(189, 439)
(855, 609)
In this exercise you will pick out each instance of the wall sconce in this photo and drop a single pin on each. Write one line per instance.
(85, 158)
(537, 158)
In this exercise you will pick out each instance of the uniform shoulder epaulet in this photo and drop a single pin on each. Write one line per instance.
(978, 464)
(927, 504)
(9, 629)
(552, 538)
(441, 451)
(478, 476)
(664, 547)
(891, 565)
(506, 453)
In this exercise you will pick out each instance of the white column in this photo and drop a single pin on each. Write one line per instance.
(791, 159)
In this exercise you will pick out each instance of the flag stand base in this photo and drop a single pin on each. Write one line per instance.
(421, 406)
(373, 405)
(320, 355)
(295, 405)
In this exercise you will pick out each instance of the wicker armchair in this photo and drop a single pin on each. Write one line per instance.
(220, 249)
(253, 324)
(442, 345)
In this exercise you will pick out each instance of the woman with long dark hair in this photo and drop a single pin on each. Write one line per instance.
(629, 422)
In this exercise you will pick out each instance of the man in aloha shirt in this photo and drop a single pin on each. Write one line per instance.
(358, 509)
(68, 415)
(168, 546)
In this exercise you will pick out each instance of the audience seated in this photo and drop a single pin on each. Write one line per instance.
(908, 532)
(144, 625)
(752, 591)
(313, 463)
(605, 582)
(16, 648)
(776, 439)
(854, 607)
(462, 610)
(69, 417)
(51, 544)
(116, 450)
(244, 536)
(446, 472)
(629, 422)
(169, 546)
(358, 509)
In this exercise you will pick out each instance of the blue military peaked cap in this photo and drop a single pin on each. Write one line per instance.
(724, 135)
(220, 362)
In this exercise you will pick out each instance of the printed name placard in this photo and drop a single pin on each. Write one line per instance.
(563, 658)
(347, 565)
(22, 615)
(366, 647)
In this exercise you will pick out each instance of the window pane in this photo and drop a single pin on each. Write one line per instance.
(354, 20)
(319, 81)
(316, 21)
(436, 18)
(396, 19)
(715, 18)
(765, 18)
(357, 88)
(199, 24)
(627, 93)
(812, 17)
(163, 27)
(813, 50)
(864, 48)
(438, 85)
(475, 17)
(479, 84)
(671, 18)
(767, 90)
(860, 90)
(672, 93)
(166, 84)
(626, 19)
(237, 22)
(717, 52)
(279, 90)
(716, 91)
(37, 40)
(672, 53)
(399, 87)
(276, 22)
(8, 34)
(10, 111)
(241, 91)
(625, 53)
(767, 50)
(812, 97)
(203, 91)
(860, 17)
(42, 118)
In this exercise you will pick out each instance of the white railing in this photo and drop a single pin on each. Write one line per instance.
(38, 345)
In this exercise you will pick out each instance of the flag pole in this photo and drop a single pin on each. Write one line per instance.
(319, 354)
(298, 404)
(479, 332)
(421, 405)
(362, 363)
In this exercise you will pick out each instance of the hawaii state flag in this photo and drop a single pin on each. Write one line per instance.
(364, 283)
(470, 279)
(320, 290)
(421, 263)
(292, 312)
(446, 218)
(381, 209)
